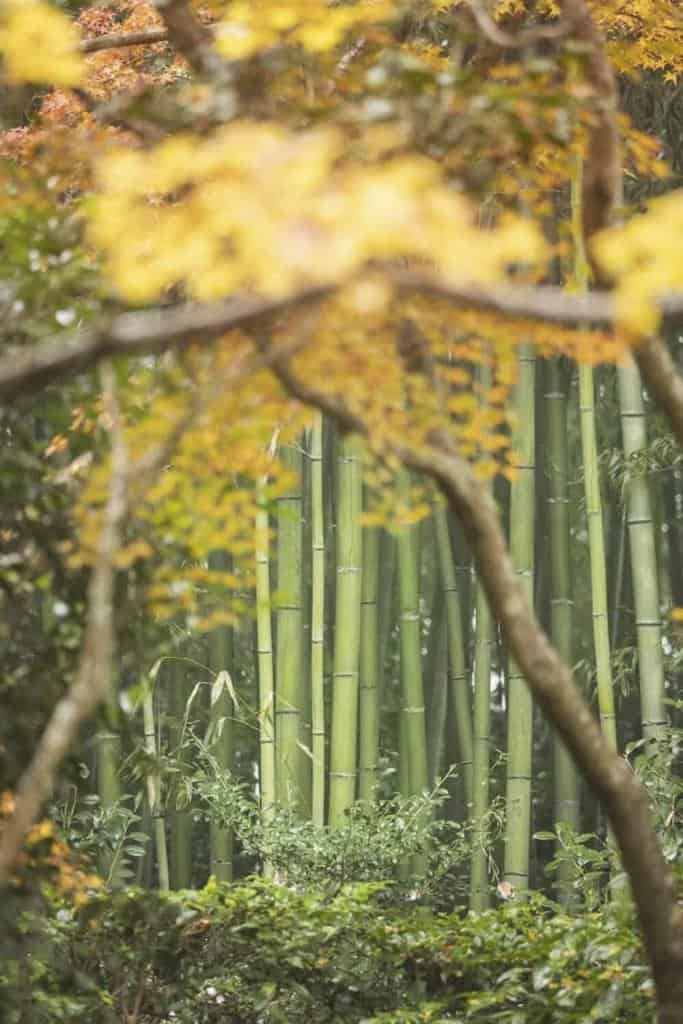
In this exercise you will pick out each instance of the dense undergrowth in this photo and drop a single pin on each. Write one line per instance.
(262, 953)
(344, 935)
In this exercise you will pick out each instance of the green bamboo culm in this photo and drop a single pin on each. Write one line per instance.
(519, 703)
(221, 715)
(108, 759)
(290, 771)
(412, 692)
(458, 683)
(154, 793)
(436, 692)
(481, 751)
(317, 622)
(345, 674)
(369, 666)
(642, 545)
(180, 818)
(565, 776)
(386, 600)
(591, 472)
(264, 659)
(108, 754)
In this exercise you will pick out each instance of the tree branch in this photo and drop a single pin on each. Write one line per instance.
(150, 331)
(131, 334)
(490, 28)
(191, 38)
(118, 40)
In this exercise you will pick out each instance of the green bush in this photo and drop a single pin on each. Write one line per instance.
(262, 953)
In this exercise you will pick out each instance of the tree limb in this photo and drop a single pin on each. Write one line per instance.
(134, 334)
(191, 38)
(490, 28)
(118, 40)
(131, 334)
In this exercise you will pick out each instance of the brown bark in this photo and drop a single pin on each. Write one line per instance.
(191, 38)
(132, 334)
(663, 380)
(117, 40)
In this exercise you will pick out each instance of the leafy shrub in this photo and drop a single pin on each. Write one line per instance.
(373, 843)
(263, 953)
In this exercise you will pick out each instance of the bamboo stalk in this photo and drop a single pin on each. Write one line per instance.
(412, 693)
(459, 687)
(642, 545)
(387, 601)
(565, 776)
(436, 687)
(481, 751)
(290, 783)
(180, 820)
(596, 540)
(108, 759)
(154, 794)
(317, 622)
(519, 702)
(264, 660)
(369, 666)
(221, 659)
(345, 682)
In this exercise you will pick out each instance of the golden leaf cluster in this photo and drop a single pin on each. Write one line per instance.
(249, 27)
(39, 44)
(257, 207)
(644, 258)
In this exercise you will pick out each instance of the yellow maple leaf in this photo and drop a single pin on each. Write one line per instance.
(40, 44)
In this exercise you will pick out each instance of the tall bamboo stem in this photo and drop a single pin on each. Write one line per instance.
(459, 687)
(180, 831)
(484, 640)
(264, 658)
(369, 666)
(591, 472)
(154, 794)
(566, 780)
(641, 535)
(317, 622)
(412, 694)
(519, 703)
(290, 782)
(345, 682)
(437, 689)
(221, 659)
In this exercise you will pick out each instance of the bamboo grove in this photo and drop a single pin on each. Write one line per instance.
(374, 666)
(357, 465)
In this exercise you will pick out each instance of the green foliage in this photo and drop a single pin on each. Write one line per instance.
(263, 953)
(658, 764)
(370, 844)
(102, 833)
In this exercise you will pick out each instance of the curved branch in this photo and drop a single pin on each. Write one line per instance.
(150, 331)
(133, 334)
(490, 28)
